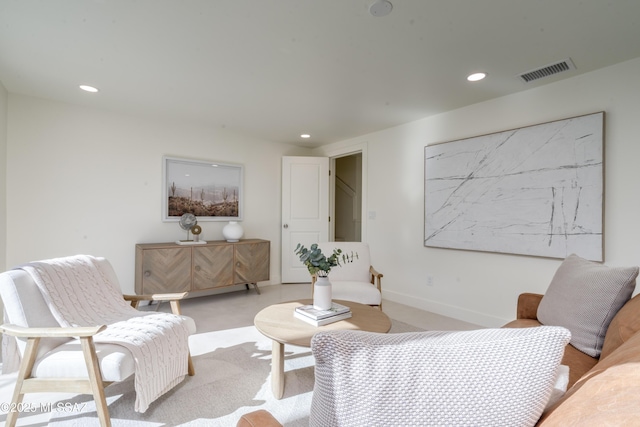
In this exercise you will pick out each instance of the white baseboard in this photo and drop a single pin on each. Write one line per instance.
(446, 310)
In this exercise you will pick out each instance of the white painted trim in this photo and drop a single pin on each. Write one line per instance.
(361, 147)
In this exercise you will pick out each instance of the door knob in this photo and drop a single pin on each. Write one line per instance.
(286, 226)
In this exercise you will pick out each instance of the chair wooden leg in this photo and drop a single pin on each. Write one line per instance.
(95, 380)
(191, 370)
(26, 367)
(175, 308)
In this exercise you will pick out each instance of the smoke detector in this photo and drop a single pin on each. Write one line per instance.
(381, 8)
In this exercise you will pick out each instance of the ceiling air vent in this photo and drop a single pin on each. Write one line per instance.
(548, 70)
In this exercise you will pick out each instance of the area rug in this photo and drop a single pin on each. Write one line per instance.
(232, 378)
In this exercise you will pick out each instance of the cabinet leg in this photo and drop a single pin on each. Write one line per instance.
(255, 285)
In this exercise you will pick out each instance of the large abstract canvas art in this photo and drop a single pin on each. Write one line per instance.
(536, 190)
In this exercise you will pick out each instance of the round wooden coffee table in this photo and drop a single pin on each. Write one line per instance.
(278, 323)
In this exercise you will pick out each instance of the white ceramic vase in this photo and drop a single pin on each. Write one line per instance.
(232, 232)
(322, 294)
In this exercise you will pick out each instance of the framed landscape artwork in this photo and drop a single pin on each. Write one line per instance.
(212, 191)
(537, 190)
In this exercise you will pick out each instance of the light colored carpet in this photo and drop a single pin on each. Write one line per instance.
(232, 378)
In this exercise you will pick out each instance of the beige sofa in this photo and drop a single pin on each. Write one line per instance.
(602, 391)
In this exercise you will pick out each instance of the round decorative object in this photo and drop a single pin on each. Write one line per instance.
(322, 293)
(196, 229)
(187, 221)
(232, 232)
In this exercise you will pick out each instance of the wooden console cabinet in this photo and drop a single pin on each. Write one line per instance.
(170, 267)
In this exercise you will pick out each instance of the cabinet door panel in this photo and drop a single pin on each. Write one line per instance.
(212, 266)
(252, 262)
(166, 270)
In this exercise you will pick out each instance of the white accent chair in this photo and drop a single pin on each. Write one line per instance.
(356, 281)
(47, 356)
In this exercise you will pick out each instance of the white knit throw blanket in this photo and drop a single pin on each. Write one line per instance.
(80, 293)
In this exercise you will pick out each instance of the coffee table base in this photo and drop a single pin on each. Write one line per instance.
(277, 369)
(278, 323)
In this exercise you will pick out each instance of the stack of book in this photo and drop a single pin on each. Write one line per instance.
(317, 317)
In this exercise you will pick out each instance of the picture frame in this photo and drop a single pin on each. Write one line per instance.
(536, 190)
(211, 190)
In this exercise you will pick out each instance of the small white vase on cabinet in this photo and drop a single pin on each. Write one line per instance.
(232, 232)
(322, 293)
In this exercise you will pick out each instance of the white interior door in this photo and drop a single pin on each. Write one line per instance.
(305, 211)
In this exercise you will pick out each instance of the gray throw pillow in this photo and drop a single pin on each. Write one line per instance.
(583, 297)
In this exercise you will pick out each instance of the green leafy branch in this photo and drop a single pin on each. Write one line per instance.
(317, 263)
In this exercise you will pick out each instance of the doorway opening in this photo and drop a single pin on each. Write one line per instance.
(347, 198)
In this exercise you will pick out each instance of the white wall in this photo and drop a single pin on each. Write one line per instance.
(483, 287)
(4, 99)
(82, 180)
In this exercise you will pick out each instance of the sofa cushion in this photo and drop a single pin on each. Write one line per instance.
(606, 396)
(583, 297)
(623, 326)
(590, 407)
(483, 377)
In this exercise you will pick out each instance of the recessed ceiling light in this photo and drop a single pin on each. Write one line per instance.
(88, 88)
(476, 77)
(305, 135)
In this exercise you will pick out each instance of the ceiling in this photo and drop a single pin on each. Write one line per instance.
(276, 69)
